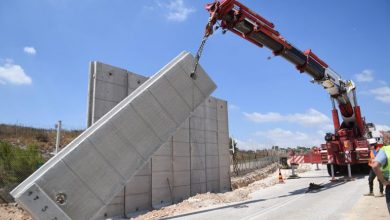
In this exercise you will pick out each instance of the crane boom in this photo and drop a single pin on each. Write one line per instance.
(237, 18)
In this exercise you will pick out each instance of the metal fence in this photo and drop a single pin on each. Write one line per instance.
(16, 164)
(244, 162)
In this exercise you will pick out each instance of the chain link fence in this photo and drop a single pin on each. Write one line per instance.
(16, 164)
(245, 162)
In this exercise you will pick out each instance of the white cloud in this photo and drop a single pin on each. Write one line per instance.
(233, 107)
(30, 50)
(382, 127)
(382, 82)
(250, 145)
(365, 76)
(287, 138)
(311, 117)
(282, 138)
(13, 74)
(382, 94)
(176, 10)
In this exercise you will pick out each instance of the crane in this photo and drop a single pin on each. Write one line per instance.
(348, 145)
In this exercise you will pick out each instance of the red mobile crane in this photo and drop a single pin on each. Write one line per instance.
(348, 145)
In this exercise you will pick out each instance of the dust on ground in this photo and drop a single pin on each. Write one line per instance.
(11, 211)
(243, 187)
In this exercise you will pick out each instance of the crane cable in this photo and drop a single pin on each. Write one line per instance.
(208, 32)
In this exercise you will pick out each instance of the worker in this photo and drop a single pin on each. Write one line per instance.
(381, 167)
(373, 152)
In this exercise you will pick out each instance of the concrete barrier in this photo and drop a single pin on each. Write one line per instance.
(86, 175)
(170, 167)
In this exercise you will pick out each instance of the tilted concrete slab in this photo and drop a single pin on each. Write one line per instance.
(139, 190)
(85, 176)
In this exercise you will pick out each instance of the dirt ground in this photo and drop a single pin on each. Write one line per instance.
(243, 185)
(11, 211)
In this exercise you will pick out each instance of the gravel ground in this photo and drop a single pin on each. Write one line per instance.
(244, 186)
(11, 211)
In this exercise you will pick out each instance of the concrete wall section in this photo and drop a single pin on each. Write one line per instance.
(181, 163)
(94, 168)
(162, 176)
(186, 165)
(223, 146)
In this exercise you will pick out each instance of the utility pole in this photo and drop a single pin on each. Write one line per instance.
(58, 140)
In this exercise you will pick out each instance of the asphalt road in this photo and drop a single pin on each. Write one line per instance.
(293, 200)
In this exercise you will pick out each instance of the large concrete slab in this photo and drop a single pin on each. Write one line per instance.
(203, 119)
(81, 180)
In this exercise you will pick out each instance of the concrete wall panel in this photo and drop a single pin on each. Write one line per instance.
(197, 123)
(210, 115)
(161, 163)
(110, 91)
(76, 192)
(35, 199)
(183, 85)
(145, 170)
(181, 149)
(212, 162)
(211, 137)
(165, 149)
(134, 81)
(139, 184)
(211, 149)
(197, 136)
(111, 74)
(182, 178)
(167, 97)
(198, 149)
(212, 174)
(138, 133)
(146, 135)
(137, 202)
(225, 178)
(213, 186)
(181, 164)
(181, 192)
(161, 197)
(198, 176)
(211, 125)
(197, 188)
(100, 177)
(117, 151)
(198, 163)
(154, 114)
(182, 135)
(102, 107)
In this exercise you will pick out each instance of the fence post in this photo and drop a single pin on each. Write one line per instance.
(58, 136)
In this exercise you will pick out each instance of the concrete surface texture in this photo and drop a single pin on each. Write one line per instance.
(86, 175)
(194, 160)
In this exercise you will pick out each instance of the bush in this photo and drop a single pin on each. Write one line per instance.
(42, 137)
(17, 164)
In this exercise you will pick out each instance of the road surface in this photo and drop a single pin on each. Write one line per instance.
(292, 200)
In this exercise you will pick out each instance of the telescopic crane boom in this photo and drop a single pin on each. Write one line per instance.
(235, 17)
(348, 144)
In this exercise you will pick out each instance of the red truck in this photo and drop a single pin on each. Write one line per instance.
(347, 147)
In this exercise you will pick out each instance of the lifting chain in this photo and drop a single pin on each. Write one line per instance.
(208, 32)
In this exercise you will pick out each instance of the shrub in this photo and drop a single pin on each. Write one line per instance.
(17, 164)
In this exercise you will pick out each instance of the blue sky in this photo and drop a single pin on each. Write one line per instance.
(45, 48)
